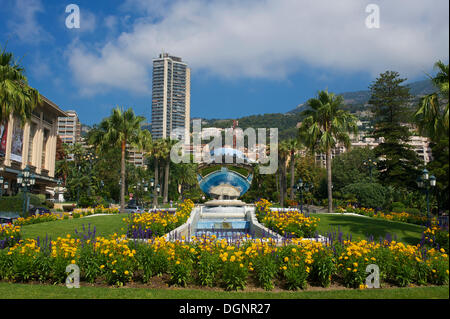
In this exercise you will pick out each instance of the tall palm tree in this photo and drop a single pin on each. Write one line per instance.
(16, 97)
(325, 125)
(167, 146)
(120, 128)
(431, 115)
(293, 145)
(283, 153)
(156, 151)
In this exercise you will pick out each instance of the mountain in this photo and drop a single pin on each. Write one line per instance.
(357, 100)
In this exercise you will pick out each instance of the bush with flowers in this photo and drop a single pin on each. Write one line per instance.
(394, 216)
(9, 235)
(436, 236)
(35, 219)
(296, 263)
(291, 223)
(157, 223)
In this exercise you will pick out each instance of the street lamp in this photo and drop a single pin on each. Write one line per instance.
(426, 182)
(1, 182)
(26, 181)
(301, 186)
(370, 164)
(59, 183)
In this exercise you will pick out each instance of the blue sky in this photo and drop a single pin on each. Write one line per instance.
(247, 57)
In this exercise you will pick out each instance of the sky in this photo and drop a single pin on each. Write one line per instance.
(246, 56)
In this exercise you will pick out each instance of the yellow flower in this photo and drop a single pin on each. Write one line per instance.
(73, 261)
(126, 272)
(102, 266)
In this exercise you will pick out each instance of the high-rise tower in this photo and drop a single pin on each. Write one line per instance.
(171, 97)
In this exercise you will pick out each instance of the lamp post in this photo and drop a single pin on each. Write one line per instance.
(370, 163)
(426, 182)
(26, 181)
(301, 186)
(59, 183)
(1, 182)
(156, 189)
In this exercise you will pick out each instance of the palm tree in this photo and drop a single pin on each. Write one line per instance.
(283, 153)
(16, 97)
(326, 124)
(431, 116)
(185, 175)
(292, 145)
(167, 146)
(120, 128)
(156, 151)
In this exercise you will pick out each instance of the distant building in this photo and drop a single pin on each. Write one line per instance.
(69, 128)
(170, 97)
(135, 157)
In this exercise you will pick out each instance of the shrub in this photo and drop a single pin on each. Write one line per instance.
(266, 268)
(368, 194)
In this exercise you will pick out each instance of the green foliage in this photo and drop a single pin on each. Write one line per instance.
(349, 168)
(234, 276)
(208, 268)
(15, 203)
(389, 104)
(368, 194)
(266, 269)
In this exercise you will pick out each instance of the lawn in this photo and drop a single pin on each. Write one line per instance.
(105, 225)
(360, 227)
(31, 291)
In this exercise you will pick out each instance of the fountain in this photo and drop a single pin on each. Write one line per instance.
(224, 216)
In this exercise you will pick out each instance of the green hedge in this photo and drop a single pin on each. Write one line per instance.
(371, 195)
(15, 203)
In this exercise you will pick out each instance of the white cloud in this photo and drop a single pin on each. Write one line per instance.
(269, 39)
(24, 24)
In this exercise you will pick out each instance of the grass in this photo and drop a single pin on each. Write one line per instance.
(361, 227)
(358, 227)
(105, 225)
(33, 291)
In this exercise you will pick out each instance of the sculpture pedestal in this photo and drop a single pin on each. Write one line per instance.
(225, 202)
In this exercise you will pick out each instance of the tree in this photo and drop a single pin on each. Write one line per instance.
(156, 151)
(120, 128)
(389, 100)
(349, 168)
(325, 125)
(293, 145)
(432, 119)
(16, 97)
(432, 115)
(167, 146)
(283, 153)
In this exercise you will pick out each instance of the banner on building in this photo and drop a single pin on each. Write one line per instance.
(3, 135)
(17, 142)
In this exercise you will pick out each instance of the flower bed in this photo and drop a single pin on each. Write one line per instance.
(9, 235)
(436, 236)
(399, 217)
(210, 262)
(287, 223)
(157, 223)
(77, 213)
(35, 219)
